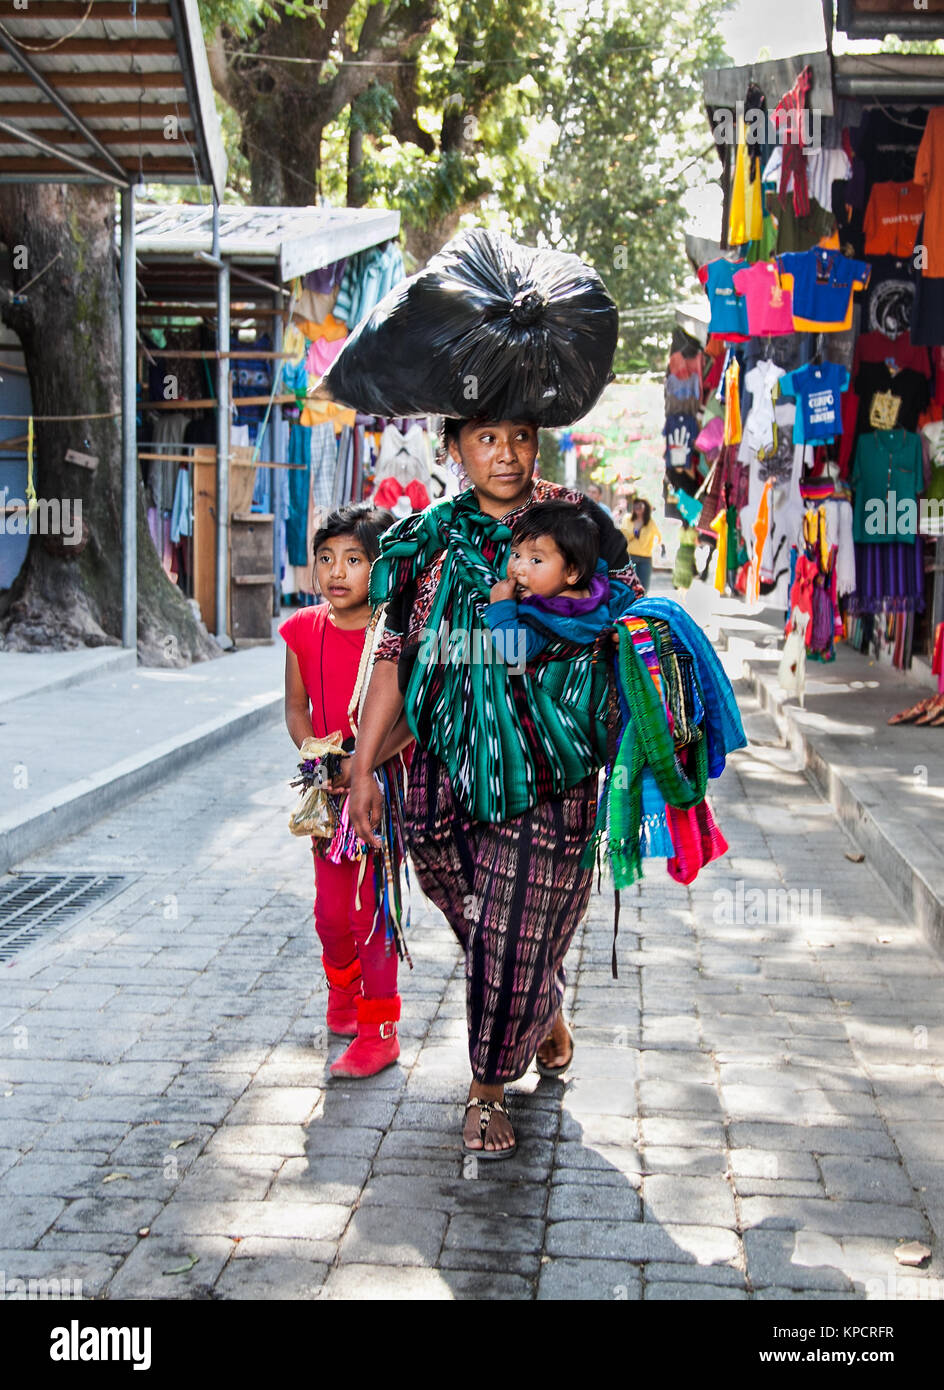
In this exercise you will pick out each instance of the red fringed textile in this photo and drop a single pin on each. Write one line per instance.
(697, 840)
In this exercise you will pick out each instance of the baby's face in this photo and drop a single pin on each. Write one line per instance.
(539, 568)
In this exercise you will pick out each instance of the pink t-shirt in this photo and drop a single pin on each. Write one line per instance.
(769, 305)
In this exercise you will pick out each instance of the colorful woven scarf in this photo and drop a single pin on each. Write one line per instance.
(508, 740)
(680, 719)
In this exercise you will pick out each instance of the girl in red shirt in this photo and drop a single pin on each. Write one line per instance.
(324, 646)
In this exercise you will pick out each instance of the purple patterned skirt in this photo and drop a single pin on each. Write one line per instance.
(514, 894)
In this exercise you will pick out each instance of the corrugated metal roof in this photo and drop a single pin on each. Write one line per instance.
(135, 76)
(298, 240)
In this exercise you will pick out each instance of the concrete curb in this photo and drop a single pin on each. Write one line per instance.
(77, 805)
(891, 859)
(109, 661)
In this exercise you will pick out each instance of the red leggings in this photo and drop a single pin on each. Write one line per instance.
(343, 928)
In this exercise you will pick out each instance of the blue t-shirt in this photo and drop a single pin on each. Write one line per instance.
(823, 282)
(818, 391)
(728, 308)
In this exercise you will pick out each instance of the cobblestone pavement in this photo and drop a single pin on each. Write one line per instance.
(755, 1110)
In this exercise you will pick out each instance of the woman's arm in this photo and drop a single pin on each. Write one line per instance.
(297, 708)
(399, 737)
(379, 722)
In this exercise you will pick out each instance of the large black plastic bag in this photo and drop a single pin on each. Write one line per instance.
(489, 328)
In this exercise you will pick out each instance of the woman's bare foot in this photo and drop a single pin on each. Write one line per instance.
(557, 1049)
(499, 1134)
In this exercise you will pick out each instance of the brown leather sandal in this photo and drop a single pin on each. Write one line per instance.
(485, 1114)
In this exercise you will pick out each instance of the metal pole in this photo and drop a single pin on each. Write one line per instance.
(280, 455)
(222, 439)
(129, 451)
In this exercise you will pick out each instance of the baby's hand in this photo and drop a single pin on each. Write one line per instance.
(505, 588)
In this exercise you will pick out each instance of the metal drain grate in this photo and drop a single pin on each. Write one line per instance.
(33, 905)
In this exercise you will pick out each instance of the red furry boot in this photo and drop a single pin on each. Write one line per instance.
(376, 1045)
(344, 991)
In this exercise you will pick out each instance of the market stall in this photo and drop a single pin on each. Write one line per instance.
(224, 380)
(803, 434)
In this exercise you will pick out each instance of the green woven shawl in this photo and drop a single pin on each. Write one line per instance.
(646, 742)
(507, 740)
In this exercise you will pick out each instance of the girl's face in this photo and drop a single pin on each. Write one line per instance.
(342, 569)
(498, 457)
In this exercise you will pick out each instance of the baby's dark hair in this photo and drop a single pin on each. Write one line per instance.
(359, 519)
(575, 534)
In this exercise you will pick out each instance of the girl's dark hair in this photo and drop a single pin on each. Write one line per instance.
(575, 534)
(646, 510)
(360, 520)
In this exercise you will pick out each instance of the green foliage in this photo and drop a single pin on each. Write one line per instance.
(575, 126)
(242, 16)
(550, 458)
(628, 104)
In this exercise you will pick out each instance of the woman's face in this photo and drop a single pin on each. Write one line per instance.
(498, 457)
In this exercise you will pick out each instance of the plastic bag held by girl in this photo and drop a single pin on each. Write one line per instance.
(488, 328)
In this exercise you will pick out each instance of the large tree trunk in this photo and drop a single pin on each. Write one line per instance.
(69, 595)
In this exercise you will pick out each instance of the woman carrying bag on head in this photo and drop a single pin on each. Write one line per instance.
(497, 338)
(512, 889)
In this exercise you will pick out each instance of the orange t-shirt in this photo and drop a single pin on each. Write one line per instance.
(929, 171)
(892, 218)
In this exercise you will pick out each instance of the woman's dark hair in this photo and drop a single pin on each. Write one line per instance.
(646, 510)
(575, 534)
(360, 520)
(450, 428)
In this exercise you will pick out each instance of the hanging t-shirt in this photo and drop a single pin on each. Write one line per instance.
(823, 285)
(887, 142)
(328, 659)
(759, 426)
(818, 391)
(823, 167)
(732, 403)
(682, 394)
(889, 399)
(888, 471)
(892, 219)
(934, 434)
(679, 431)
(877, 347)
(929, 172)
(799, 233)
(728, 308)
(769, 305)
(888, 303)
(683, 365)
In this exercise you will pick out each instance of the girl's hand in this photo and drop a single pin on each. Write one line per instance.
(342, 782)
(505, 588)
